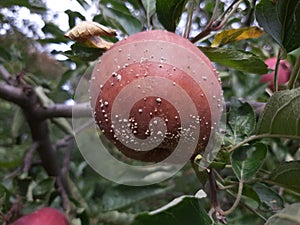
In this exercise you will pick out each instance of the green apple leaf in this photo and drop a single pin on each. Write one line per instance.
(247, 160)
(290, 215)
(236, 59)
(281, 115)
(122, 196)
(150, 7)
(182, 210)
(284, 175)
(169, 12)
(241, 119)
(269, 199)
(281, 19)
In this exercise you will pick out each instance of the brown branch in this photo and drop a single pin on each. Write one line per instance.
(61, 110)
(6, 76)
(13, 94)
(217, 24)
(26, 98)
(27, 162)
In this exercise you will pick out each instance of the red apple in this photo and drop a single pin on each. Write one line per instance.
(284, 72)
(44, 216)
(156, 74)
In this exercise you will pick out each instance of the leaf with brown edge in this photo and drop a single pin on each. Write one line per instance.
(90, 34)
(231, 35)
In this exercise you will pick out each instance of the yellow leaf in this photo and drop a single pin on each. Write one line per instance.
(227, 36)
(90, 34)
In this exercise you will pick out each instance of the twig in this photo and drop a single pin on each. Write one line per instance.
(217, 24)
(28, 157)
(237, 199)
(208, 27)
(260, 136)
(189, 21)
(6, 76)
(295, 74)
(276, 73)
(249, 16)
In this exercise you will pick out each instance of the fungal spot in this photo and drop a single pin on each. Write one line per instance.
(162, 59)
(158, 100)
(140, 110)
(106, 103)
(119, 77)
(120, 50)
(204, 77)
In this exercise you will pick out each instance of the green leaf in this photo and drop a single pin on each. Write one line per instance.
(56, 33)
(236, 59)
(17, 123)
(285, 175)
(281, 19)
(73, 15)
(169, 12)
(290, 215)
(80, 52)
(4, 198)
(122, 196)
(269, 199)
(281, 115)
(241, 119)
(118, 16)
(185, 210)
(43, 188)
(247, 160)
(150, 7)
(37, 6)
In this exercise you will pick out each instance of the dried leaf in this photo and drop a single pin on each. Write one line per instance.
(236, 35)
(89, 33)
(87, 29)
(98, 42)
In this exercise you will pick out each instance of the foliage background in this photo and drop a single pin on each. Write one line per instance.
(260, 155)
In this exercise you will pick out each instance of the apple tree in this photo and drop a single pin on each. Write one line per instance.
(48, 81)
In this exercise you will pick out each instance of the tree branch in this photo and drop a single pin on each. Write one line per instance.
(61, 110)
(13, 94)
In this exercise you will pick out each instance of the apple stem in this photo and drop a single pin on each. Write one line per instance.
(295, 74)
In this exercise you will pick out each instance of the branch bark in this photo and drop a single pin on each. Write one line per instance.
(26, 98)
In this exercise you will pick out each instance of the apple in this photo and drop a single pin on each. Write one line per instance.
(44, 216)
(155, 74)
(284, 72)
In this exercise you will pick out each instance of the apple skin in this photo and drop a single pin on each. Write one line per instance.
(156, 55)
(284, 72)
(44, 216)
